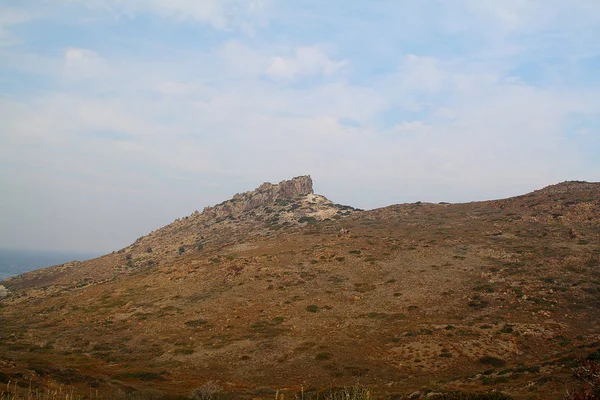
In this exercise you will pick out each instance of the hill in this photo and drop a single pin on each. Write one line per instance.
(279, 288)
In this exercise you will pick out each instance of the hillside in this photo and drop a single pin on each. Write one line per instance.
(279, 288)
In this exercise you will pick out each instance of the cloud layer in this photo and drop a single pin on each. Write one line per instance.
(119, 116)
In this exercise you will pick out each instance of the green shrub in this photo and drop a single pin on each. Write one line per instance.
(312, 308)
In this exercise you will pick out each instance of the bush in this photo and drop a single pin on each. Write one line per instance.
(588, 372)
(337, 393)
(181, 250)
(183, 351)
(312, 308)
(489, 360)
(141, 375)
(475, 396)
(209, 391)
(196, 322)
(309, 220)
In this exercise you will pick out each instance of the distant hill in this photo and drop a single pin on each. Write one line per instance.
(280, 288)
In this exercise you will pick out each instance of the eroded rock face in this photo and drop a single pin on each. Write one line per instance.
(3, 291)
(265, 194)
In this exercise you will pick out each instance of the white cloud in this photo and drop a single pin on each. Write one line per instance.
(220, 14)
(9, 18)
(83, 64)
(211, 11)
(410, 128)
(421, 73)
(308, 60)
(467, 124)
(535, 15)
(242, 61)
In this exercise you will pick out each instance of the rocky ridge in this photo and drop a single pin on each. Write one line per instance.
(265, 194)
(267, 211)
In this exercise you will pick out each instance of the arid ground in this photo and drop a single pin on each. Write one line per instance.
(280, 288)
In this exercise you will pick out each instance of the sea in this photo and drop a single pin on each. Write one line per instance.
(16, 262)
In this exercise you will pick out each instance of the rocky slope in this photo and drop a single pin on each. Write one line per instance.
(288, 206)
(280, 287)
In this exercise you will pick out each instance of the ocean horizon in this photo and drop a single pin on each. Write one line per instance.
(14, 262)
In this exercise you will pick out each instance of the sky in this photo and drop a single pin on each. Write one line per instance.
(118, 116)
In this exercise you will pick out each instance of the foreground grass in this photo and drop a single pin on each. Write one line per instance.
(212, 391)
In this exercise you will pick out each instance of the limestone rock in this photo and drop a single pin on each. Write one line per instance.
(265, 194)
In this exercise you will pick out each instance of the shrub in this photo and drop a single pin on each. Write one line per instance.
(489, 360)
(309, 220)
(196, 322)
(337, 393)
(588, 372)
(312, 308)
(209, 391)
(183, 351)
(506, 329)
(478, 303)
(141, 375)
(475, 396)
(181, 250)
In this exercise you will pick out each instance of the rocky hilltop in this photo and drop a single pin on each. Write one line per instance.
(265, 194)
(288, 206)
(280, 288)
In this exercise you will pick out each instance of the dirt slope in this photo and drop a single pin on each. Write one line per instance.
(280, 287)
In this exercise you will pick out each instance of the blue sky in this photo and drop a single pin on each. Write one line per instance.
(117, 116)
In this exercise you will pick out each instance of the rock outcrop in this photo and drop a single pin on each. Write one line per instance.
(266, 193)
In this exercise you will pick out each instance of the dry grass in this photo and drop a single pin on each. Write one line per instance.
(13, 392)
